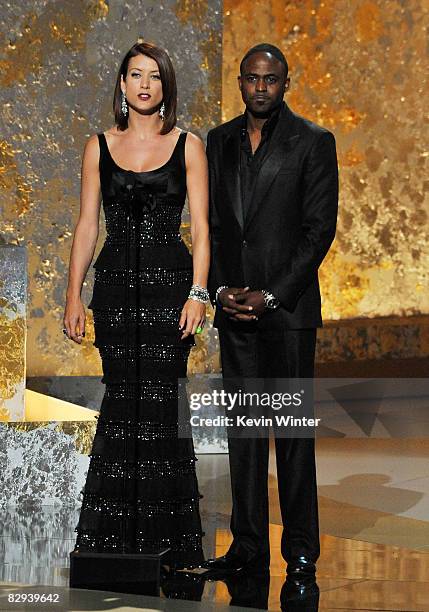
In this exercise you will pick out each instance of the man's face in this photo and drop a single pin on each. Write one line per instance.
(262, 83)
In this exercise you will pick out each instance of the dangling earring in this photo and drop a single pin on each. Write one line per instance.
(124, 105)
(162, 111)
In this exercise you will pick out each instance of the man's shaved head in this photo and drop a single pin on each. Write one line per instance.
(266, 48)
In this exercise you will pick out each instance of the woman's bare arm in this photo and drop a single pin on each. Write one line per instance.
(193, 313)
(84, 240)
(197, 186)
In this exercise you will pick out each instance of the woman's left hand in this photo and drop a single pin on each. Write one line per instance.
(193, 316)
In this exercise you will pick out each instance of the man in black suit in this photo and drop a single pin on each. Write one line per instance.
(273, 208)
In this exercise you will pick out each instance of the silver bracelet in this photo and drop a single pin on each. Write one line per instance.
(199, 294)
(271, 302)
(218, 290)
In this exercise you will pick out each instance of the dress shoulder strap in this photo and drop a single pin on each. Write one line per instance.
(180, 148)
(102, 144)
(105, 158)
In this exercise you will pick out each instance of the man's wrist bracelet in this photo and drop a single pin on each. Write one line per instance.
(199, 294)
(218, 290)
(271, 302)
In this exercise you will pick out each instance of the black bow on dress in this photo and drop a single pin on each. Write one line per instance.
(135, 195)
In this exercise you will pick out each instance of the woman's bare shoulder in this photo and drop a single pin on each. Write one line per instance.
(91, 151)
(92, 143)
(194, 143)
(195, 152)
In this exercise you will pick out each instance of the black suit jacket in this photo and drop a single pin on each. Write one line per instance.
(290, 224)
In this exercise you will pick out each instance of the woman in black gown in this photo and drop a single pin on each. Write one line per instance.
(141, 492)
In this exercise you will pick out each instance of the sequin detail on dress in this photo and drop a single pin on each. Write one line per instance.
(95, 503)
(148, 276)
(144, 316)
(141, 431)
(141, 492)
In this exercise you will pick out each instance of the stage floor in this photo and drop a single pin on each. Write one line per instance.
(373, 501)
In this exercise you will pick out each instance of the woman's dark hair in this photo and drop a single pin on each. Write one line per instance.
(168, 80)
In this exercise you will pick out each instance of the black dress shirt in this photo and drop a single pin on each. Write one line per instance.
(250, 162)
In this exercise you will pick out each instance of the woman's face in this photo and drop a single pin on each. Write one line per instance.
(142, 85)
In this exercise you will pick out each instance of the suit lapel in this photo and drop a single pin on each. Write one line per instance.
(231, 169)
(282, 142)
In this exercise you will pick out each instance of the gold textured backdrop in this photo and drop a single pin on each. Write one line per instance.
(359, 69)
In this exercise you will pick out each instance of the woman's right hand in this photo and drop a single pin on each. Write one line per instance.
(74, 319)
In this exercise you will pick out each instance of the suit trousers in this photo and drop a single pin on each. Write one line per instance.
(249, 352)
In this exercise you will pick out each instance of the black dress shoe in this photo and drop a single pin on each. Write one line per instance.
(233, 564)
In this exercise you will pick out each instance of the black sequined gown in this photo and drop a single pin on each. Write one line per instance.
(141, 492)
